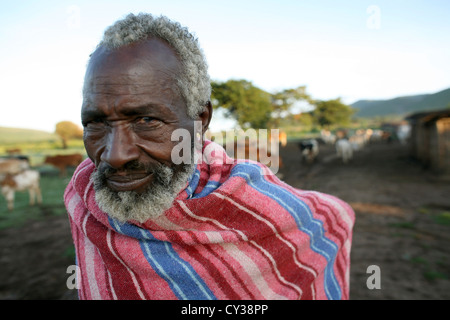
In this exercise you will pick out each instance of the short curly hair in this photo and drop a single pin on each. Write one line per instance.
(194, 82)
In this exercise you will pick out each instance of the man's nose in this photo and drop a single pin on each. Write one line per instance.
(120, 148)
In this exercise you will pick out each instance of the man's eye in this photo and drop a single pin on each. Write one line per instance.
(148, 121)
(94, 124)
(145, 120)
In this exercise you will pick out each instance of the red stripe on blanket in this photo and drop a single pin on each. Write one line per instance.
(252, 250)
(213, 250)
(332, 234)
(210, 267)
(103, 239)
(281, 253)
(335, 227)
(280, 247)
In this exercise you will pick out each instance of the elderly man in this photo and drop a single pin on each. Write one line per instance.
(146, 226)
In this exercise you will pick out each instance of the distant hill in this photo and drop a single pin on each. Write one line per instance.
(402, 106)
(17, 135)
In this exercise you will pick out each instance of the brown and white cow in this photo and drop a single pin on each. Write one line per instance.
(27, 180)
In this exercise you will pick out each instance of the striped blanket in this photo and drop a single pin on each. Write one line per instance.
(235, 232)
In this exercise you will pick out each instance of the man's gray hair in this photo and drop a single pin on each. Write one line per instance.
(194, 83)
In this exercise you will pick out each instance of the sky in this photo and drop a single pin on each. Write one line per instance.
(351, 50)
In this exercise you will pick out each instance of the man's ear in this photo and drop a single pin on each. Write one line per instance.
(206, 116)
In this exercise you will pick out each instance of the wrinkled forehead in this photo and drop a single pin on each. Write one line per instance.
(136, 64)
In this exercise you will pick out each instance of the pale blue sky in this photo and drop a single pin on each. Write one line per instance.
(349, 49)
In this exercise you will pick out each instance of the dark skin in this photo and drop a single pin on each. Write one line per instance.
(131, 106)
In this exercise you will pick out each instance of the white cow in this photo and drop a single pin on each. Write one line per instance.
(328, 137)
(357, 142)
(403, 133)
(26, 180)
(344, 150)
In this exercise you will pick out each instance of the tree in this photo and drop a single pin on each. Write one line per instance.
(249, 105)
(332, 112)
(253, 107)
(68, 130)
(283, 101)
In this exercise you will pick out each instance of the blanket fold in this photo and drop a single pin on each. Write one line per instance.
(235, 232)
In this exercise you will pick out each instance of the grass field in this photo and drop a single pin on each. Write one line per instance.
(52, 187)
(36, 145)
(11, 136)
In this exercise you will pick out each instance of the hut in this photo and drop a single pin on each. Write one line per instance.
(430, 139)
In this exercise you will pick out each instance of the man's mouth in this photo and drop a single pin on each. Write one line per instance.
(129, 182)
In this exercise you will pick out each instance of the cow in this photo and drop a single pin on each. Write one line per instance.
(25, 180)
(376, 136)
(328, 137)
(13, 165)
(309, 149)
(403, 133)
(15, 151)
(357, 142)
(63, 161)
(344, 150)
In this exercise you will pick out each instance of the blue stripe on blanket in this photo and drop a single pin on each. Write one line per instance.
(206, 190)
(184, 281)
(193, 183)
(303, 217)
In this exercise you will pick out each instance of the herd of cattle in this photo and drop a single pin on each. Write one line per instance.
(16, 174)
(345, 144)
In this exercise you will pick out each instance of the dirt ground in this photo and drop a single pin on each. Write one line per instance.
(402, 214)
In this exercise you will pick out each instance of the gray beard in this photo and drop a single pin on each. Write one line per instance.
(152, 203)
